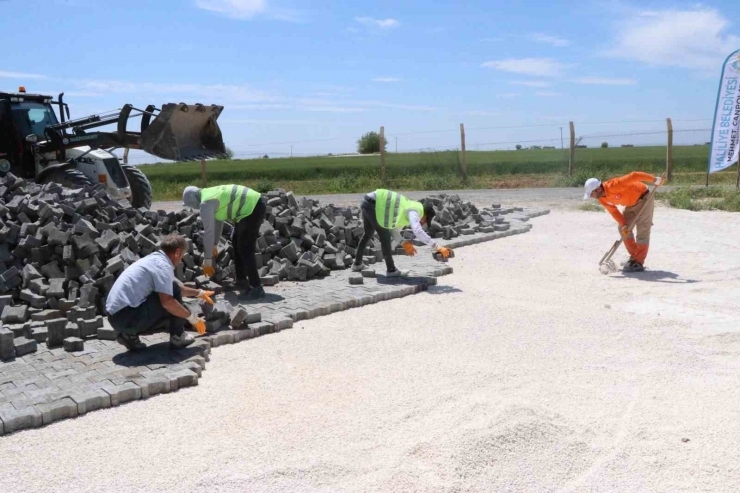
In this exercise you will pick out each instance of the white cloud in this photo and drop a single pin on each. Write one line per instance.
(604, 81)
(548, 94)
(508, 95)
(551, 40)
(212, 92)
(332, 109)
(484, 113)
(537, 67)
(20, 75)
(237, 9)
(386, 79)
(380, 23)
(695, 38)
(530, 83)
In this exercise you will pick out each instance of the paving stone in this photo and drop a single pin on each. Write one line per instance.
(152, 385)
(20, 419)
(57, 410)
(72, 344)
(107, 333)
(7, 348)
(56, 331)
(120, 394)
(14, 314)
(91, 400)
(357, 278)
(24, 346)
(261, 328)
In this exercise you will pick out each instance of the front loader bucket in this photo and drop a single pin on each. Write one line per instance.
(182, 132)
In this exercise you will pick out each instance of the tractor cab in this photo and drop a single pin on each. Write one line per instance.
(23, 120)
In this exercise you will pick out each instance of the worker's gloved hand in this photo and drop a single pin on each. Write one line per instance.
(207, 268)
(198, 323)
(215, 252)
(624, 231)
(206, 296)
(658, 181)
(409, 248)
(445, 252)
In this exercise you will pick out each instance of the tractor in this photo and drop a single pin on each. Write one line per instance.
(38, 146)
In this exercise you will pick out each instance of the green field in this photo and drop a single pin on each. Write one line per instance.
(434, 170)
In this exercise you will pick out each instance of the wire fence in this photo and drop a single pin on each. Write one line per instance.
(438, 144)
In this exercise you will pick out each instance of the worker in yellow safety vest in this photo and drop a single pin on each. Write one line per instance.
(386, 212)
(246, 209)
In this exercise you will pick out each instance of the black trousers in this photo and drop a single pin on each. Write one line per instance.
(370, 223)
(244, 239)
(149, 315)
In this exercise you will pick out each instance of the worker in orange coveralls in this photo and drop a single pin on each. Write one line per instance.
(630, 192)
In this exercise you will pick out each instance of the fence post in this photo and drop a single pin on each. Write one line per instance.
(382, 155)
(571, 160)
(203, 173)
(125, 156)
(669, 152)
(462, 146)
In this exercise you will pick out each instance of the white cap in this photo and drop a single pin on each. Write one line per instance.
(591, 185)
(191, 197)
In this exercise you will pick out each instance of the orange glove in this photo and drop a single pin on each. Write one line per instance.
(409, 247)
(198, 323)
(445, 252)
(215, 253)
(624, 231)
(206, 296)
(208, 271)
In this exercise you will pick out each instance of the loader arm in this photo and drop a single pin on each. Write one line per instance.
(178, 132)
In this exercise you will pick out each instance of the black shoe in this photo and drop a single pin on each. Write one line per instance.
(633, 266)
(132, 342)
(256, 293)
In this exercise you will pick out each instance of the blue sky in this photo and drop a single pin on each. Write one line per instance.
(318, 74)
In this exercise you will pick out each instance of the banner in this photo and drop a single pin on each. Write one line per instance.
(723, 151)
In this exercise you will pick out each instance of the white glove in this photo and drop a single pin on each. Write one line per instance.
(193, 319)
(207, 262)
(658, 181)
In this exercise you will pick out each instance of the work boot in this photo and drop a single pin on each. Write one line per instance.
(359, 267)
(633, 266)
(131, 341)
(397, 273)
(256, 293)
(181, 341)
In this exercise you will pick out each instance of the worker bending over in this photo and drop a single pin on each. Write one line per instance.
(386, 212)
(246, 209)
(630, 192)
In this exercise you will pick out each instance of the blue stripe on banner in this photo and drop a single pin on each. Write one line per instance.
(716, 110)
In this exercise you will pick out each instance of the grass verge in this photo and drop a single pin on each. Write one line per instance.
(704, 199)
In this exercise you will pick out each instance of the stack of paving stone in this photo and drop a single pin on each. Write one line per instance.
(62, 249)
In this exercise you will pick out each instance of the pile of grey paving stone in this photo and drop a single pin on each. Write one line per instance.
(62, 249)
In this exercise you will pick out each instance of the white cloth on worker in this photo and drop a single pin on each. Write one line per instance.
(191, 197)
(212, 228)
(416, 227)
(151, 274)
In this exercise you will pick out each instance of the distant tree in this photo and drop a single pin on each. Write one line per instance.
(604, 145)
(229, 154)
(518, 147)
(370, 143)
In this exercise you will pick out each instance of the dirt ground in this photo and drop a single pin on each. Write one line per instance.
(525, 371)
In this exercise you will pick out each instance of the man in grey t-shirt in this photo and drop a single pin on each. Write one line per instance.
(147, 294)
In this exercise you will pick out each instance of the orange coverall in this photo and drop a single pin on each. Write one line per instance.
(628, 191)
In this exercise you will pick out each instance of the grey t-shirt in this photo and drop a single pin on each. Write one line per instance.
(152, 274)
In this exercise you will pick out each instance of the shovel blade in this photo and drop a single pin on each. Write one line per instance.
(182, 132)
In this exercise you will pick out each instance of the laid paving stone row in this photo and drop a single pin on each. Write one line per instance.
(78, 377)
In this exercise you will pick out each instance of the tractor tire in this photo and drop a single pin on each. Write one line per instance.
(141, 189)
(70, 178)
